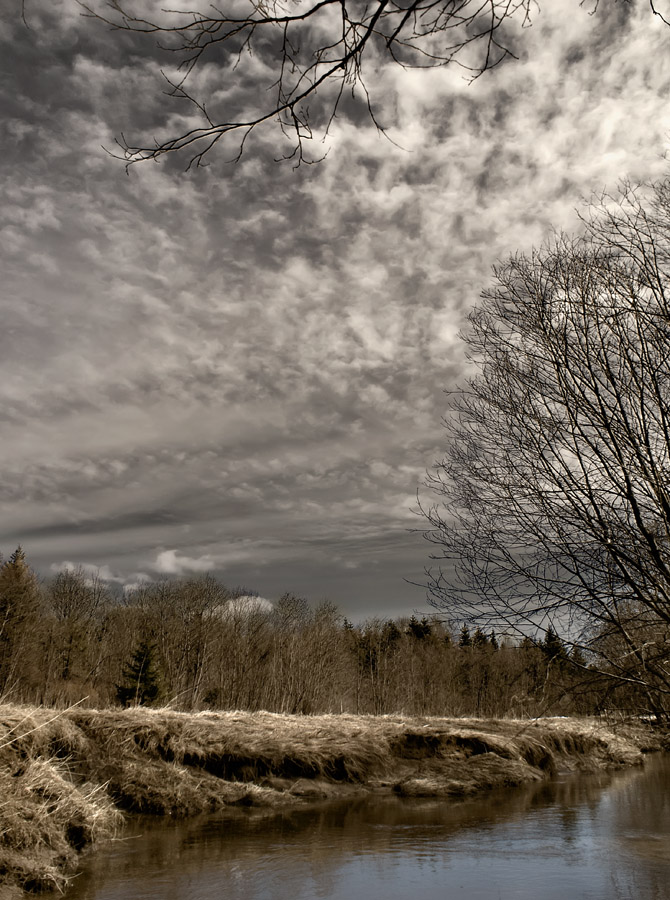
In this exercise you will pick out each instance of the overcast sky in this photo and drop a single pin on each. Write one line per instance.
(241, 370)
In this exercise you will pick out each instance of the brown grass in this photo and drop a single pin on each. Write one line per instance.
(65, 776)
(46, 819)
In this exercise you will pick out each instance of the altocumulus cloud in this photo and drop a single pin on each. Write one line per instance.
(240, 370)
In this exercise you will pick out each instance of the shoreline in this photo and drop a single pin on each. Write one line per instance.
(68, 778)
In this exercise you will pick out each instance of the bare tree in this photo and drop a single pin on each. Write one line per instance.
(75, 596)
(74, 602)
(554, 493)
(238, 672)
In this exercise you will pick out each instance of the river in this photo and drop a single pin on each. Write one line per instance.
(598, 837)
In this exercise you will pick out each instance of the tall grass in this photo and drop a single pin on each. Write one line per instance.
(46, 818)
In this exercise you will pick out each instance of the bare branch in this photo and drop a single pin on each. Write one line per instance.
(311, 50)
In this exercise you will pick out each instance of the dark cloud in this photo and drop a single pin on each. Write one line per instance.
(240, 369)
(103, 526)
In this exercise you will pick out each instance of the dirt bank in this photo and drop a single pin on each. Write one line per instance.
(66, 777)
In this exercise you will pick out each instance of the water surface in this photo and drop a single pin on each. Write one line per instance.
(604, 837)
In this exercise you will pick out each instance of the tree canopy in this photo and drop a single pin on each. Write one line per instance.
(554, 492)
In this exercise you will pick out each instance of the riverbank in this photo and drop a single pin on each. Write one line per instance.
(67, 778)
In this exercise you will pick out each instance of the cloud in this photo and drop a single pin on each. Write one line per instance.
(170, 562)
(103, 573)
(240, 369)
(243, 607)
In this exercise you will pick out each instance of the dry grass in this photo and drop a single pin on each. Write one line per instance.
(45, 818)
(63, 776)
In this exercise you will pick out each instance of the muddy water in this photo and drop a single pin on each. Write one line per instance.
(604, 837)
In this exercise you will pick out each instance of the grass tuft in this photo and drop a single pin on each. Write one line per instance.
(45, 818)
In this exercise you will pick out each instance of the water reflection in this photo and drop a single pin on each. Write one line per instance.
(599, 838)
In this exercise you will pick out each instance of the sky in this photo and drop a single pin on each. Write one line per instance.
(242, 369)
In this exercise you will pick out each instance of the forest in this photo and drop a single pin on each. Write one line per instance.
(194, 644)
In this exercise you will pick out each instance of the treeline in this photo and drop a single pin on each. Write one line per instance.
(195, 644)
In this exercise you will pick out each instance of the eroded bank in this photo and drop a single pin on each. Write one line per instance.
(68, 778)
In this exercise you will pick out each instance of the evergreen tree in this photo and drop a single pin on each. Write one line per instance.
(419, 629)
(552, 645)
(19, 611)
(141, 681)
(465, 640)
(479, 639)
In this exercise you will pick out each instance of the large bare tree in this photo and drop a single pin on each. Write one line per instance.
(554, 493)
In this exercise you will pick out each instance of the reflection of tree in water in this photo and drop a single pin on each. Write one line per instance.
(611, 821)
(639, 824)
(647, 811)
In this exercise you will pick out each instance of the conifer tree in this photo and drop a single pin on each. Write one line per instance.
(19, 607)
(465, 640)
(141, 680)
(552, 645)
(419, 629)
(479, 639)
